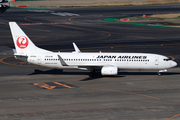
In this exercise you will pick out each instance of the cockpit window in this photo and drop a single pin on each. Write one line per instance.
(167, 59)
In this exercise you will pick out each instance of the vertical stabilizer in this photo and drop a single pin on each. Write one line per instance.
(22, 42)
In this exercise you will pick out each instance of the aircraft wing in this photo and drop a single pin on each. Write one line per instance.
(87, 67)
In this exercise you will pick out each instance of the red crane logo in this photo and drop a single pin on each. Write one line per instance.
(22, 42)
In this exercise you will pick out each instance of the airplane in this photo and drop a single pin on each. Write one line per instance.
(107, 63)
(3, 8)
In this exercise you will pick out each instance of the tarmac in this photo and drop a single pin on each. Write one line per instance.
(147, 21)
(30, 92)
(72, 3)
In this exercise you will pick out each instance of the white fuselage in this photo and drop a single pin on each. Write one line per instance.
(120, 60)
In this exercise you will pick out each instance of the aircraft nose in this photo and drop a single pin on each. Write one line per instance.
(173, 63)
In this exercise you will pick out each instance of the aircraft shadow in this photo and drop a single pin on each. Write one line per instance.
(124, 74)
(61, 72)
(148, 73)
(98, 75)
(57, 72)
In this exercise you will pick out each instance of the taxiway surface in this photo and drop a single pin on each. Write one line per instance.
(31, 92)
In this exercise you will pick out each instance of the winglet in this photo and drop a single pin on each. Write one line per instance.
(76, 48)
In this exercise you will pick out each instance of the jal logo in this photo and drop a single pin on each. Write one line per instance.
(22, 42)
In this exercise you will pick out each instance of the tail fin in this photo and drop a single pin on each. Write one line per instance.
(22, 43)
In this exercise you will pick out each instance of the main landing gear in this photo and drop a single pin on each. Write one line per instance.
(92, 73)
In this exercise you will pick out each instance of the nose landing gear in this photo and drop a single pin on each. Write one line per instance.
(160, 71)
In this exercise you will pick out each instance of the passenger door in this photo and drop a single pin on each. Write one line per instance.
(156, 61)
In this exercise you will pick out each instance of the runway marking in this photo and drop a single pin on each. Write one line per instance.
(25, 18)
(70, 19)
(108, 34)
(2, 61)
(123, 92)
(54, 23)
(44, 11)
(63, 85)
(173, 116)
(54, 85)
(37, 29)
(43, 85)
(55, 13)
(65, 14)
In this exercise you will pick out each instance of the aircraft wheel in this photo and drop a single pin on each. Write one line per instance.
(92, 73)
(159, 74)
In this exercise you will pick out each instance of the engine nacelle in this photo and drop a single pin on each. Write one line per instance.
(109, 70)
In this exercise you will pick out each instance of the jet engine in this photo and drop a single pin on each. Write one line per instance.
(109, 70)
